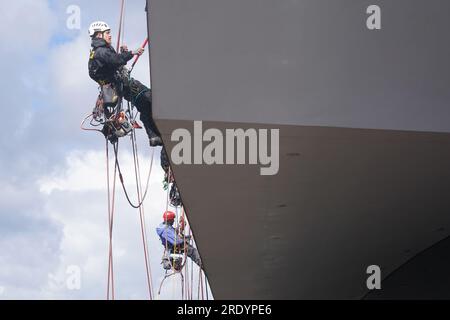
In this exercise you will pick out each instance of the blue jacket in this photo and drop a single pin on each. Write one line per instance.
(167, 234)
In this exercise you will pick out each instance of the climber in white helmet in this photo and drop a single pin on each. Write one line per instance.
(107, 67)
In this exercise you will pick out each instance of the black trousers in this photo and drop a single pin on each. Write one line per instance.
(165, 164)
(192, 253)
(141, 97)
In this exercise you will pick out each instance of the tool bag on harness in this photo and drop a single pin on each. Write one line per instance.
(115, 122)
(107, 99)
(117, 126)
(172, 260)
(109, 95)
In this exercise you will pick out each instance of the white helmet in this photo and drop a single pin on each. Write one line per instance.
(98, 26)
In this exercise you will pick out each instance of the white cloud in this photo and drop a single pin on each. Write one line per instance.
(24, 124)
(85, 172)
(53, 211)
(26, 26)
(29, 242)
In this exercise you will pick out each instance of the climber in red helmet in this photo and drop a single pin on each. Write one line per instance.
(175, 243)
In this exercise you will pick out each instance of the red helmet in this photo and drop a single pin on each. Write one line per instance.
(169, 216)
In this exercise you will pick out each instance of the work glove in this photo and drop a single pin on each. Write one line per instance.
(124, 73)
(138, 52)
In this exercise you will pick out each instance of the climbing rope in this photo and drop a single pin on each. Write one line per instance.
(95, 120)
(140, 200)
(111, 222)
(122, 8)
(206, 286)
(183, 269)
(137, 57)
(84, 121)
(141, 211)
(138, 176)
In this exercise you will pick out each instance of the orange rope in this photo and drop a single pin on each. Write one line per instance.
(111, 220)
(141, 213)
(145, 227)
(86, 129)
(120, 25)
(192, 272)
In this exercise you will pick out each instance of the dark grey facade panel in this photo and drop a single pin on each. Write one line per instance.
(343, 198)
(308, 62)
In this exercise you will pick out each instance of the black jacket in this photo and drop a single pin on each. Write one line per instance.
(104, 61)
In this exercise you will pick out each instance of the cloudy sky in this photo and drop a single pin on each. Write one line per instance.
(53, 205)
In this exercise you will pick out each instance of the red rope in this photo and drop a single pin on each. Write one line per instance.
(201, 282)
(137, 57)
(182, 286)
(206, 286)
(141, 213)
(120, 25)
(83, 122)
(140, 188)
(192, 273)
(110, 219)
(109, 214)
